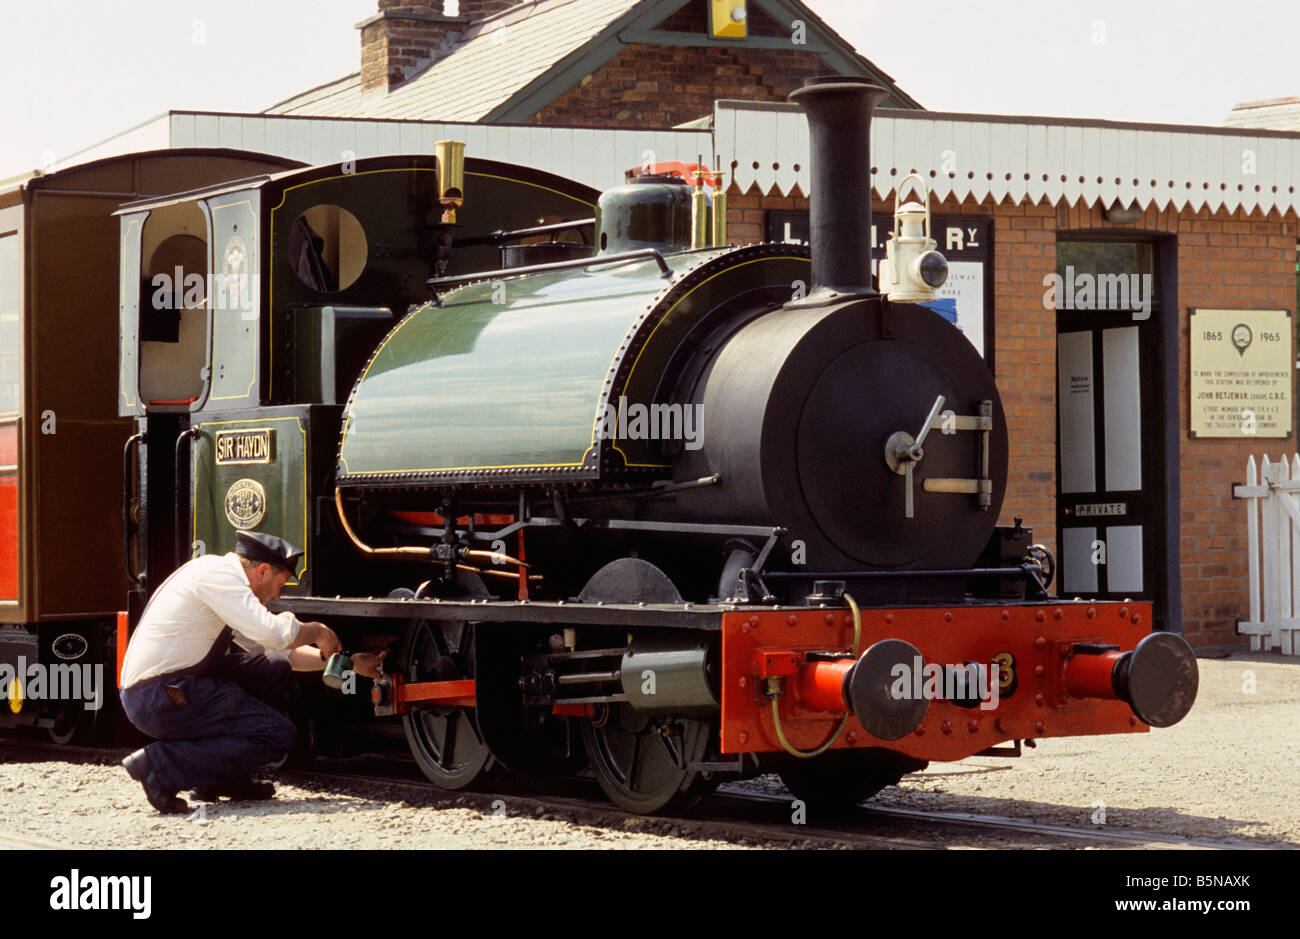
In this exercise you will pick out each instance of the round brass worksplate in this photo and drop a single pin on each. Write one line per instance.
(246, 504)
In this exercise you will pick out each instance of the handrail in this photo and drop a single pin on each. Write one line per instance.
(183, 437)
(452, 280)
(127, 492)
(501, 235)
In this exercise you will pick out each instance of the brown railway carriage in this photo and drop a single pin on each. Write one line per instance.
(62, 576)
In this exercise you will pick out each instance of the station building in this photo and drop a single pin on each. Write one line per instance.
(1104, 269)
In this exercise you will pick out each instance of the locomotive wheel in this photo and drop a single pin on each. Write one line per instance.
(66, 723)
(641, 761)
(445, 741)
(835, 782)
(72, 722)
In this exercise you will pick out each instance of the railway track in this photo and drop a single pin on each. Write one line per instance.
(734, 812)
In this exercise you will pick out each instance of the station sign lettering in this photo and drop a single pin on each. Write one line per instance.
(965, 241)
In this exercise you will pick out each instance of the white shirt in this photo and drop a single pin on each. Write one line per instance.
(188, 612)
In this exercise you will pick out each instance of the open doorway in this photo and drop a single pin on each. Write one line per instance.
(174, 307)
(1113, 492)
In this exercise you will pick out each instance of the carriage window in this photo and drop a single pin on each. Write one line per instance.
(327, 248)
(11, 308)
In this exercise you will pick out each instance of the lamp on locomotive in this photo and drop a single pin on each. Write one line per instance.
(912, 270)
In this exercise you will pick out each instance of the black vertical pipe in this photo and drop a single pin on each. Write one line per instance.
(839, 112)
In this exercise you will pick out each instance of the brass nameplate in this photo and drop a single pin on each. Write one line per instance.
(245, 446)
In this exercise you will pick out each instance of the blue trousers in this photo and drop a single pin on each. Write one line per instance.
(213, 729)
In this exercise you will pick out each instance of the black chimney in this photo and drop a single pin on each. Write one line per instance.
(839, 110)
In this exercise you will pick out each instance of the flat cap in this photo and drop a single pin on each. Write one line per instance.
(261, 547)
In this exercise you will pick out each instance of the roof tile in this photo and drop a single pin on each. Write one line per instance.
(494, 60)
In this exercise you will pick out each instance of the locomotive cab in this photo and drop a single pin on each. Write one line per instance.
(247, 312)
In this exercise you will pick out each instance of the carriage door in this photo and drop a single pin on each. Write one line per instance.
(1110, 489)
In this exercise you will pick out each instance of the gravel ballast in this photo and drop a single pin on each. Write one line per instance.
(1227, 772)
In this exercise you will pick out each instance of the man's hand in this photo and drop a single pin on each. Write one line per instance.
(321, 636)
(367, 663)
(327, 641)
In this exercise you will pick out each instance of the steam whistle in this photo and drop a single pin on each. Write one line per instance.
(913, 269)
(699, 209)
(451, 193)
(451, 177)
(719, 211)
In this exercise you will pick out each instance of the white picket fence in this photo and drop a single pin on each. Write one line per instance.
(1273, 546)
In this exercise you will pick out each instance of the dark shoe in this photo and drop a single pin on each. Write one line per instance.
(138, 768)
(240, 790)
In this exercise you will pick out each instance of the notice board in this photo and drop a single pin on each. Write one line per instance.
(1241, 373)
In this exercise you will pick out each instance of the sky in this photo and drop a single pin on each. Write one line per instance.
(78, 71)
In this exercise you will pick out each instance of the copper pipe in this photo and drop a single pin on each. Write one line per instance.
(495, 556)
(422, 554)
(479, 570)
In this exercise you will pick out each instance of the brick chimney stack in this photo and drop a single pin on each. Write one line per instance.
(480, 9)
(403, 36)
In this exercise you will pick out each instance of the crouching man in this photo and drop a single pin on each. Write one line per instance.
(212, 711)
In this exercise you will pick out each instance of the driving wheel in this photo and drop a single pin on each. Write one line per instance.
(445, 740)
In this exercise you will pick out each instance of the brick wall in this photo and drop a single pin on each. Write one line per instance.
(404, 35)
(1224, 261)
(662, 86)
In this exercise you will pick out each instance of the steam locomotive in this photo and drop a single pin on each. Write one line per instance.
(635, 498)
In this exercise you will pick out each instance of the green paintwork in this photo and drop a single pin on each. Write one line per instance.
(644, 214)
(478, 390)
(284, 479)
(331, 345)
(259, 336)
(235, 303)
(128, 390)
(516, 383)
